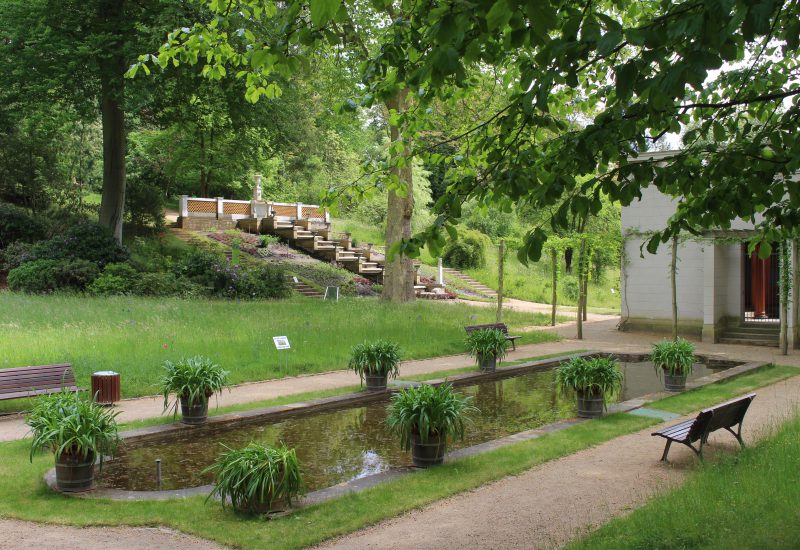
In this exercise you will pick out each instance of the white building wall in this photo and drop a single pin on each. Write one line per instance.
(646, 290)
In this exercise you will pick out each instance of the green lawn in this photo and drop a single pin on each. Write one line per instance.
(26, 497)
(747, 500)
(135, 335)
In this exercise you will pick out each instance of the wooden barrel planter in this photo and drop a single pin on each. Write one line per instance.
(74, 473)
(430, 453)
(194, 414)
(590, 404)
(674, 382)
(376, 382)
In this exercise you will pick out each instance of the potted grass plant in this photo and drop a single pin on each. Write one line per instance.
(193, 380)
(675, 359)
(592, 380)
(488, 347)
(256, 479)
(375, 362)
(424, 417)
(78, 431)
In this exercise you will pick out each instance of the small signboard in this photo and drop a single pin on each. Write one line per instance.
(281, 342)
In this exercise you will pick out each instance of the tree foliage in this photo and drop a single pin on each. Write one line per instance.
(641, 69)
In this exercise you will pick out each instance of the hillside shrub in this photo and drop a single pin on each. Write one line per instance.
(84, 240)
(116, 279)
(16, 224)
(468, 252)
(16, 254)
(41, 276)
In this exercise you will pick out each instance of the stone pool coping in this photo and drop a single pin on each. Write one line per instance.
(733, 368)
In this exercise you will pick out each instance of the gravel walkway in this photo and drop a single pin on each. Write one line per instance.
(25, 535)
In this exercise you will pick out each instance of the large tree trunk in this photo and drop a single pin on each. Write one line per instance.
(398, 275)
(112, 89)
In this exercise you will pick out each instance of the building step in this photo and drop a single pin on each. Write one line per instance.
(756, 329)
(751, 335)
(749, 342)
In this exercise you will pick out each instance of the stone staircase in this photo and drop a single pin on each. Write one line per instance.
(321, 244)
(306, 290)
(476, 286)
(752, 334)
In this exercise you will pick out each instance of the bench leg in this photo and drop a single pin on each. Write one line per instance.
(738, 435)
(666, 451)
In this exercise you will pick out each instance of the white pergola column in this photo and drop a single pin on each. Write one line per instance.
(710, 306)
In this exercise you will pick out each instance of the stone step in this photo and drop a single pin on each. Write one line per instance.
(754, 335)
(755, 329)
(749, 342)
(370, 270)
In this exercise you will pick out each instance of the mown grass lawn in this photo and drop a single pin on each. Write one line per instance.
(133, 335)
(25, 495)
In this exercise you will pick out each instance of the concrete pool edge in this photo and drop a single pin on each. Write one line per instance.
(361, 484)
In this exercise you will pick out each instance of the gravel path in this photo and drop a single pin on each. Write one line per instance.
(25, 535)
(551, 504)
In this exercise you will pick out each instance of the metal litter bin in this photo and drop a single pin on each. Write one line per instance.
(105, 387)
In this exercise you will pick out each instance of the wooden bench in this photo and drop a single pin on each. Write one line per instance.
(726, 416)
(495, 326)
(31, 381)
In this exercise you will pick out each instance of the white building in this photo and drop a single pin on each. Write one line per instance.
(723, 294)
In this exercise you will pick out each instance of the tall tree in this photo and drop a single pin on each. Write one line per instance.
(76, 53)
(645, 68)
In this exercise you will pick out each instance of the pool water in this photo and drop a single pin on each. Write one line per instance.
(341, 445)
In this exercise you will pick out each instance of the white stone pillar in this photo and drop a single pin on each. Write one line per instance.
(299, 210)
(220, 207)
(440, 279)
(709, 293)
(257, 188)
(184, 206)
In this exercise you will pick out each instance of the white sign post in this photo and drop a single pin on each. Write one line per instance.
(282, 343)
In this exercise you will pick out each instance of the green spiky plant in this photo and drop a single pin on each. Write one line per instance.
(428, 411)
(73, 425)
(673, 356)
(595, 375)
(193, 378)
(486, 343)
(256, 477)
(376, 358)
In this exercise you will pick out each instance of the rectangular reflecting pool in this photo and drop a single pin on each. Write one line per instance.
(336, 446)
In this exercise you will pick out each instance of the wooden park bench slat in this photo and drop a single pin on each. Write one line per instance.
(36, 380)
(495, 326)
(727, 416)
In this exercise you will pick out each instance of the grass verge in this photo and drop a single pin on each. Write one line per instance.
(746, 500)
(134, 335)
(26, 497)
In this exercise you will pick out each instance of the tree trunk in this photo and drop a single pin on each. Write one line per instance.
(581, 295)
(501, 252)
(568, 260)
(203, 178)
(398, 275)
(112, 91)
(554, 258)
(673, 271)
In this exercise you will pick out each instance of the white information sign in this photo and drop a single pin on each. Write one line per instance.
(281, 342)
